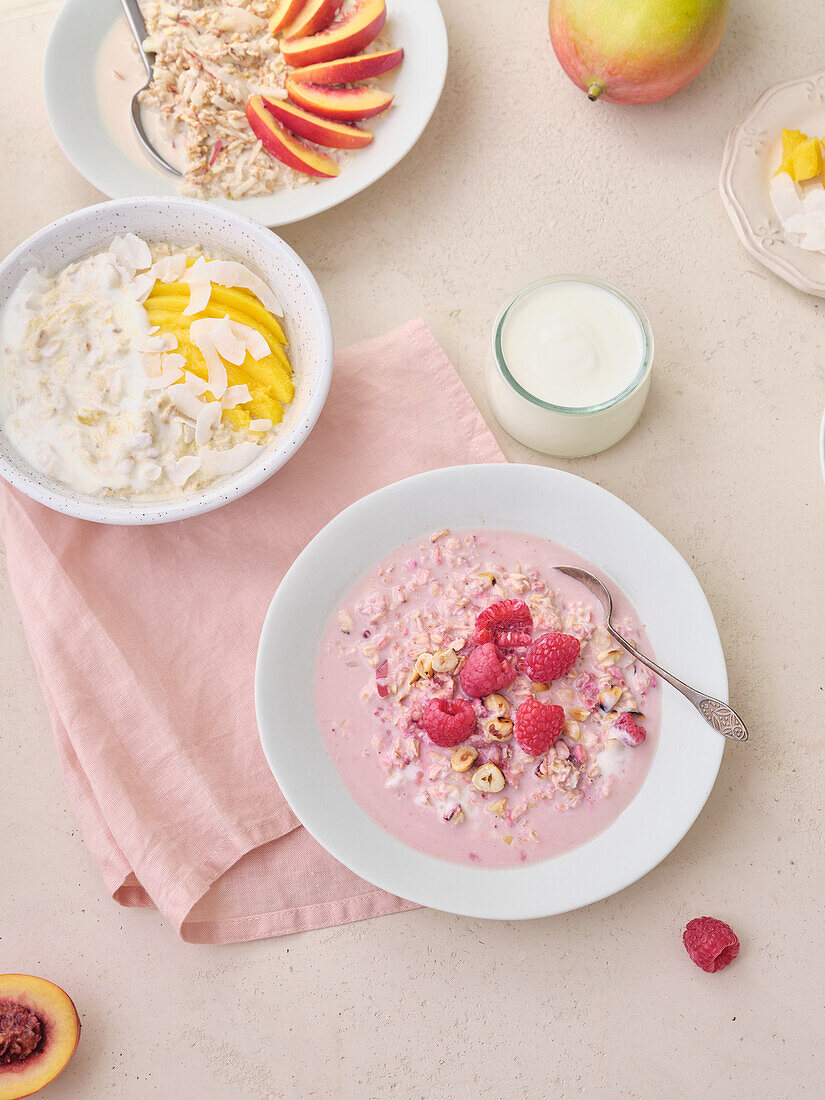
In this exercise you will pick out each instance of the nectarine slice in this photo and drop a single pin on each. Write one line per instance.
(323, 131)
(348, 70)
(313, 17)
(347, 36)
(39, 1030)
(286, 12)
(285, 146)
(344, 104)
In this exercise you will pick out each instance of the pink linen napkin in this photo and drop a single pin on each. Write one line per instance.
(144, 640)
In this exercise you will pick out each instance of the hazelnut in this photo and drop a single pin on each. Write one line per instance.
(609, 698)
(540, 687)
(463, 759)
(579, 714)
(498, 705)
(424, 666)
(572, 729)
(499, 729)
(499, 807)
(445, 660)
(488, 778)
(609, 657)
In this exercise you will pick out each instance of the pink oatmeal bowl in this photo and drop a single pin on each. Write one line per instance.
(341, 712)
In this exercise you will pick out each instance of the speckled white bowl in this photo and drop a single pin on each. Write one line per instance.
(184, 222)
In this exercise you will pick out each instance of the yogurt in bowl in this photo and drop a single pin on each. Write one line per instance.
(159, 357)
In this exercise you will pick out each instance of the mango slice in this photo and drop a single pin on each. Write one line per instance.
(802, 157)
(269, 379)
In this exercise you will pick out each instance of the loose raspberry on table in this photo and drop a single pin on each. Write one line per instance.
(538, 726)
(448, 722)
(627, 731)
(551, 656)
(711, 943)
(507, 623)
(485, 671)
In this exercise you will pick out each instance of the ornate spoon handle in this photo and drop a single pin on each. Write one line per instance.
(717, 714)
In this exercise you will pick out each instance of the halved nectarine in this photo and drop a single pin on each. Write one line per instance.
(313, 17)
(285, 146)
(323, 131)
(344, 104)
(39, 1030)
(286, 12)
(347, 36)
(348, 70)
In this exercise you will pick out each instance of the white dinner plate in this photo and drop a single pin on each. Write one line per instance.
(69, 81)
(752, 155)
(539, 501)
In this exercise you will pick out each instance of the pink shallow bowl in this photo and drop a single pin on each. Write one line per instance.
(539, 501)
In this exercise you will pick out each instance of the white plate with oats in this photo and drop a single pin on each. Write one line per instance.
(214, 58)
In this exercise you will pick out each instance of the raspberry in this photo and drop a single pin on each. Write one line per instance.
(538, 726)
(628, 731)
(448, 722)
(485, 671)
(711, 943)
(551, 656)
(507, 623)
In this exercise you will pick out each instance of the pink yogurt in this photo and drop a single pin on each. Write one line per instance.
(423, 599)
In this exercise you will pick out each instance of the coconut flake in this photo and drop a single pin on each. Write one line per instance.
(216, 463)
(814, 240)
(196, 384)
(208, 419)
(201, 335)
(185, 401)
(232, 340)
(786, 201)
(164, 341)
(261, 425)
(229, 273)
(169, 374)
(170, 268)
(234, 396)
(182, 469)
(141, 286)
(131, 253)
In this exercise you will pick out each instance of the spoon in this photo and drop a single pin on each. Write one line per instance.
(723, 718)
(138, 28)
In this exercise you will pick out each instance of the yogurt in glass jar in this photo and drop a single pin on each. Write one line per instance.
(571, 364)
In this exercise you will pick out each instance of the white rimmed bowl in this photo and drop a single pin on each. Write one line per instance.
(77, 117)
(180, 221)
(751, 156)
(540, 501)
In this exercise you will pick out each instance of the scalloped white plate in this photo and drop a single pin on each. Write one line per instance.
(752, 155)
(70, 89)
(541, 501)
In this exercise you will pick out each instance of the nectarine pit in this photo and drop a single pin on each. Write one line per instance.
(21, 1033)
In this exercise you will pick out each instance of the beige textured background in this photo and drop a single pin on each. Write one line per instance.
(517, 176)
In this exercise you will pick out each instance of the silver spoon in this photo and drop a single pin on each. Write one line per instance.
(723, 718)
(138, 28)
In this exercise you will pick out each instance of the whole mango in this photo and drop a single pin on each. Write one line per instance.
(635, 51)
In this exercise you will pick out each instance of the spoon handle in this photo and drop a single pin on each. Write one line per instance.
(134, 17)
(717, 714)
